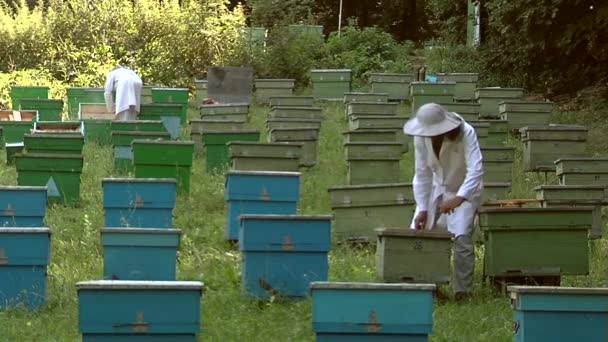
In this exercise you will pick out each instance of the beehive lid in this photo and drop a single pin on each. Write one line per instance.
(139, 285)
(19, 230)
(524, 210)
(582, 159)
(285, 217)
(222, 105)
(368, 186)
(558, 290)
(554, 127)
(121, 230)
(256, 143)
(162, 142)
(202, 121)
(22, 188)
(330, 70)
(138, 180)
(52, 156)
(218, 132)
(264, 173)
(169, 89)
(365, 94)
(364, 131)
(371, 286)
(413, 233)
(562, 187)
(141, 133)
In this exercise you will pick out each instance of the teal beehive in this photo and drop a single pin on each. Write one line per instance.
(24, 256)
(121, 310)
(139, 202)
(282, 254)
(545, 313)
(22, 206)
(259, 192)
(371, 312)
(139, 253)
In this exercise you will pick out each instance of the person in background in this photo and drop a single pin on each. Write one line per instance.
(126, 84)
(447, 184)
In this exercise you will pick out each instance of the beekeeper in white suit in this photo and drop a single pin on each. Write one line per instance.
(127, 86)
(447, 183)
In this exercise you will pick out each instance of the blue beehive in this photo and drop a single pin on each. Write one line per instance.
(259, 192)
(282, 254)
(24, 256)
(120, 310)
(139, 202)
(22, 206)
(370, 312)
(559, 313)
(139, 253)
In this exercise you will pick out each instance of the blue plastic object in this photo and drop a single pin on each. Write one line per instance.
(22, 206)
(24, 256)
(369, 312)
(139, 253)
(259, 192)
(282, 254)
(117, 310)
(139, 202)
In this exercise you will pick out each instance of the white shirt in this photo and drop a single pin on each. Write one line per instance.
(127, 86)
(458, 171)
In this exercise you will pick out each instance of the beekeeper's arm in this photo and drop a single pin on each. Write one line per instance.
(423, 175)
(474, 164)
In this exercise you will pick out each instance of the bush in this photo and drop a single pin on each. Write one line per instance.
(28, 77)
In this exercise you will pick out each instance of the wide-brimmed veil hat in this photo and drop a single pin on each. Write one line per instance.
(431, 120)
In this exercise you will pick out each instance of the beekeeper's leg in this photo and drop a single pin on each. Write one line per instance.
(122, 116)
(460, 223)
(132, 113)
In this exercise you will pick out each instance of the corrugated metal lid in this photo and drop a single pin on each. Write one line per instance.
(372, 286)
(139, 285)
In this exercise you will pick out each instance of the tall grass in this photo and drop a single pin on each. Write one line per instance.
(204, 255)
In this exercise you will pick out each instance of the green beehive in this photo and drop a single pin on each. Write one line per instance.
(257, 156)
(535, 241)
(427, 92)
(53, 143)
(74, 128)
(397, 86)
(308, 137)
(376, 150)
(48, 109)
(466, 83)
(225, 117)
(525, 106)
(360, 209)
(138, 126)
(543, 145)
(164, 159)
(201, 91)
(361, 135)
(482, 130)
(60, 173)
(291, 100)
(498, 164)
(170, 114)
(273, 123)
(521, 119)
(575, 195)
(97, 122)
(123, 153)
(314, 30)
(13, 149)
(16, 124)
(224, 108)
(582, 171)
(173, 96)
(78, 95)
(216, 150)
(376, 122)
(371, 108)
(330, 84)
(265, 88)
(27, 92)
(428, 255)
(366, 97)
(146, 95)
(293, 112)
(468, 111)
(494, 191)
(373, 171)
(490, 97)
(2, 143)
(498, 132)
(198, 126)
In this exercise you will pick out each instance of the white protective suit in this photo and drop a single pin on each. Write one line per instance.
(457, 172)
(127, 86)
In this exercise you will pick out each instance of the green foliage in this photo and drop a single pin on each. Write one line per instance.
(79, 41)
(367, 50)
(441, 57)
(277, 13)
(29, 77)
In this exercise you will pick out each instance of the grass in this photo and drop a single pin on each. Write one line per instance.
(205, 256)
